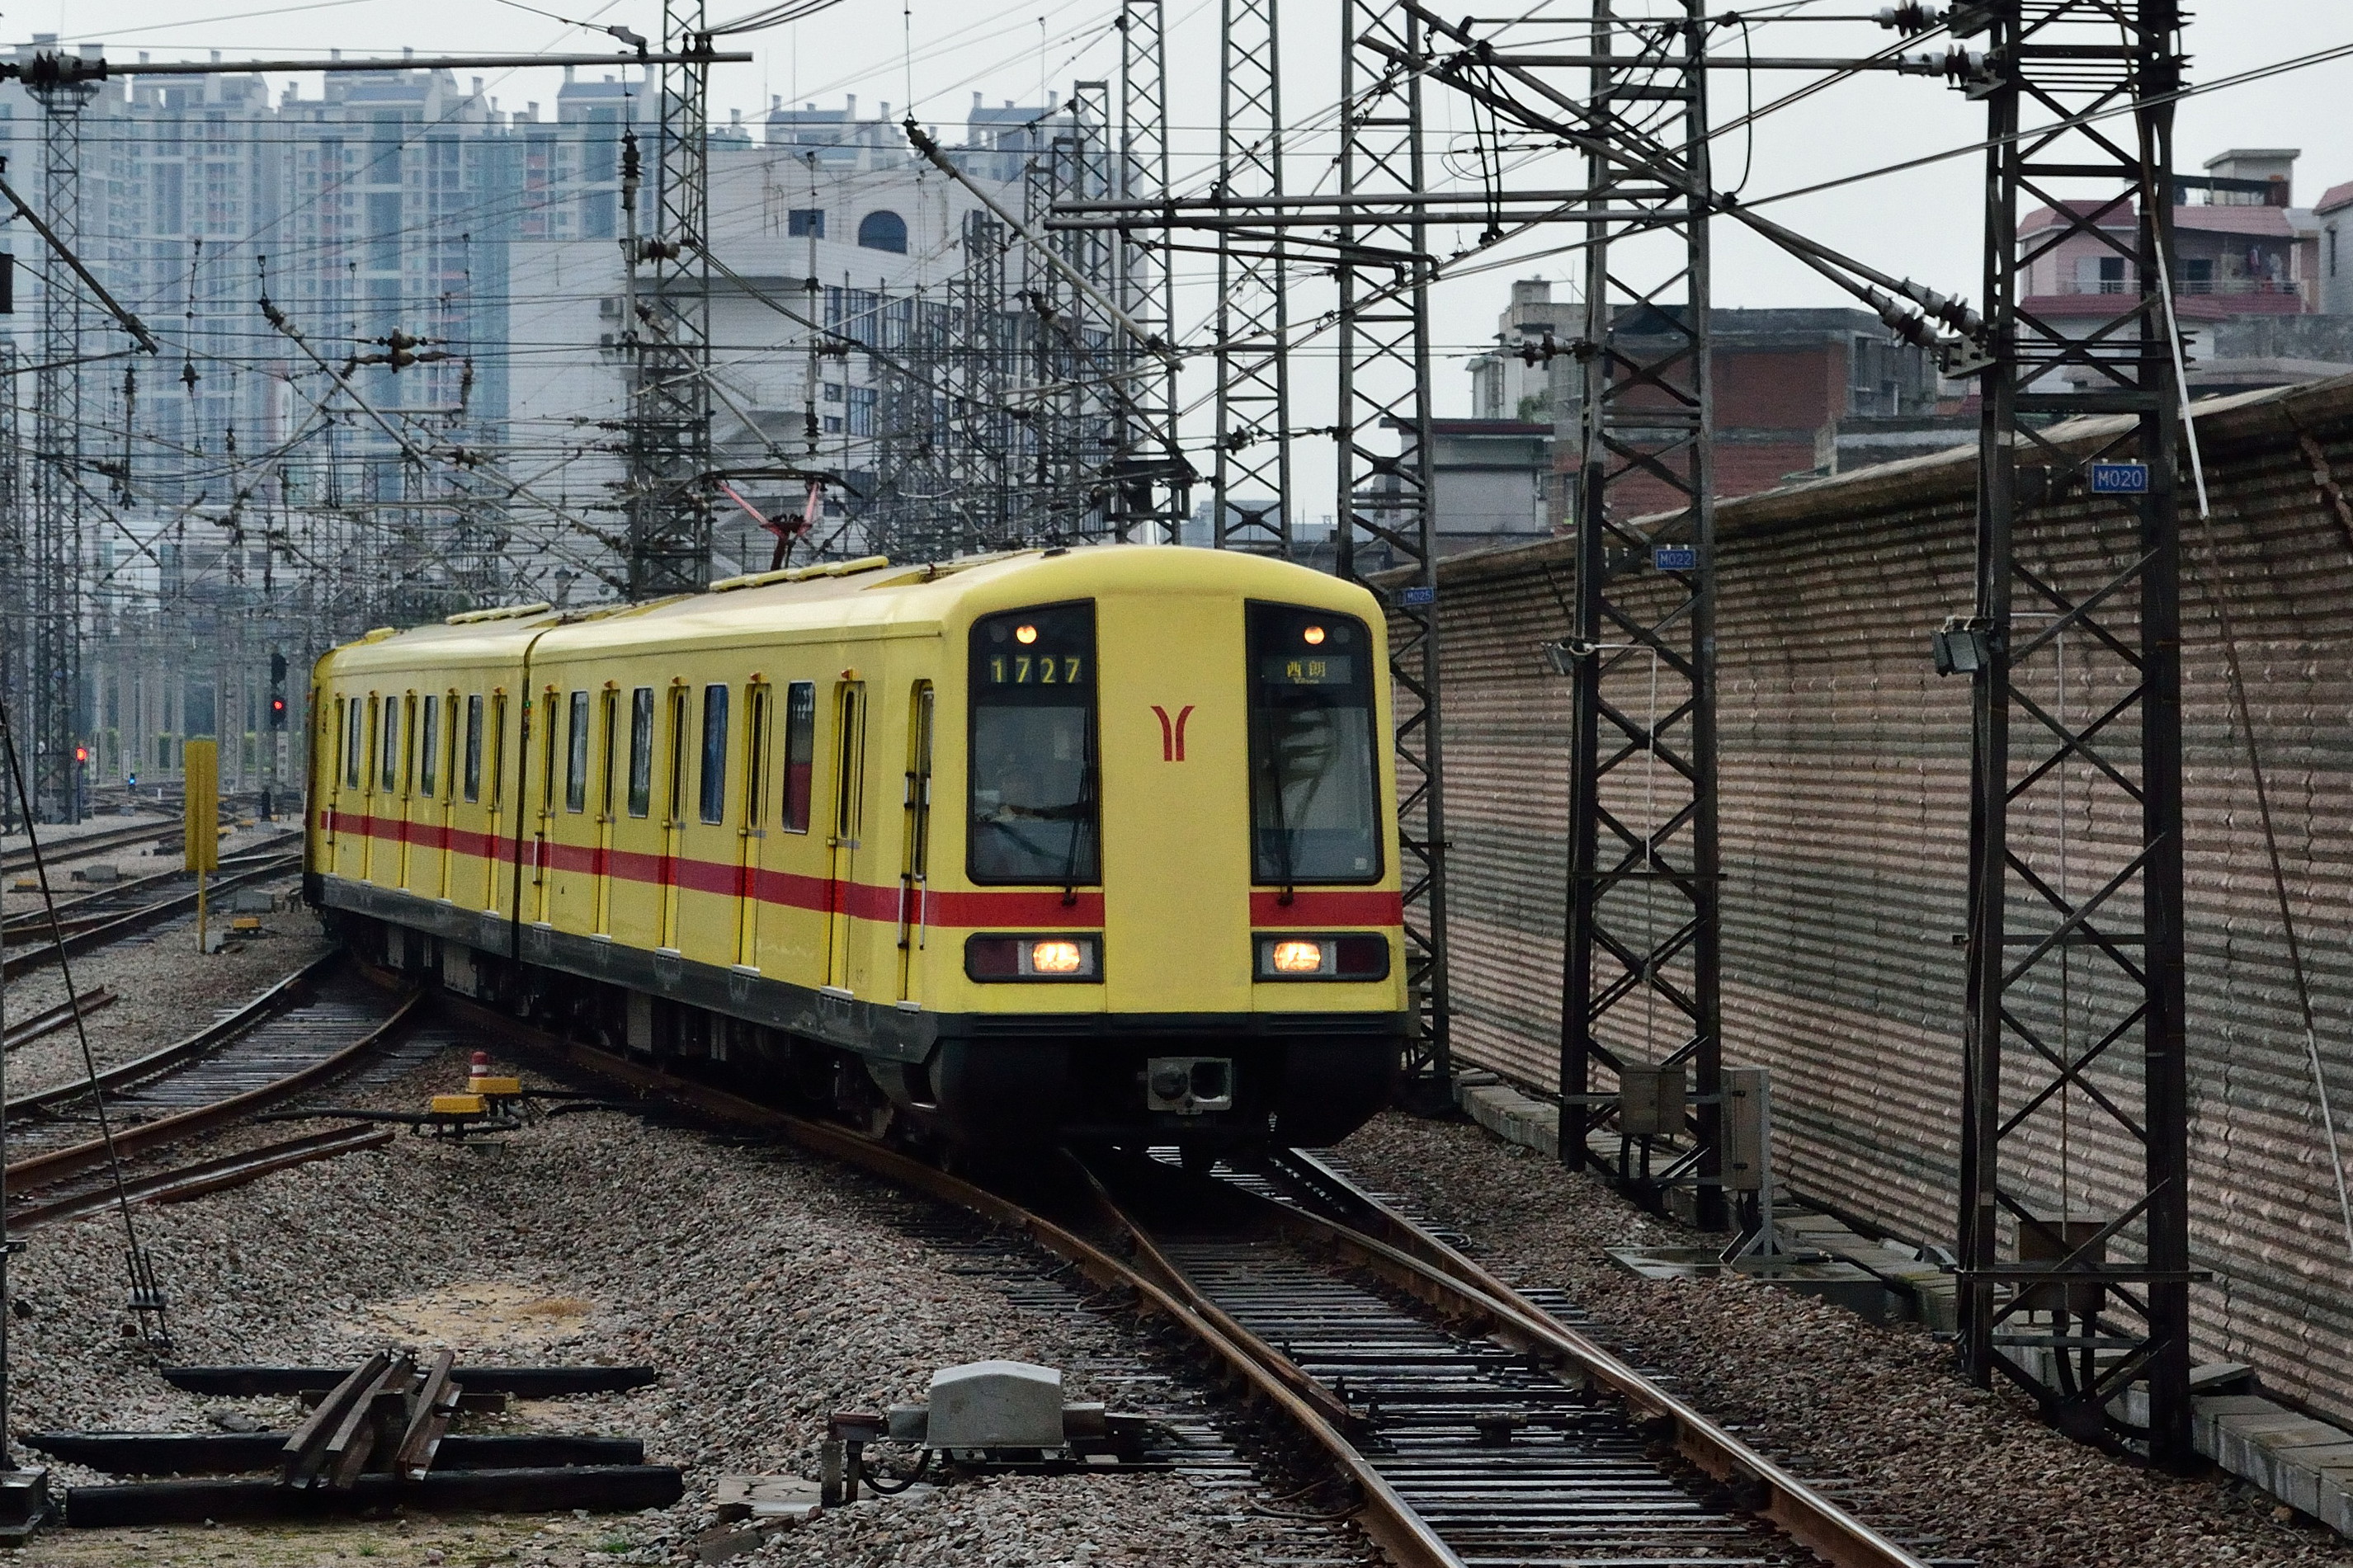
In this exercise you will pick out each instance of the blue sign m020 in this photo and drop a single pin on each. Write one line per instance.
(2119, 479)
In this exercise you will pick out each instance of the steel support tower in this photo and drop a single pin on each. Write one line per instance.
(2075, 942)
(53, 575)
(1250, 485)
(1384, 450)
(668, 494)
(1153, 480)
(1640, 973)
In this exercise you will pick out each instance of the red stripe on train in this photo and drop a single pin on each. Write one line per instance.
(788, 889)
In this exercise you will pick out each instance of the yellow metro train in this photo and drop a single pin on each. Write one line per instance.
(1091, 844)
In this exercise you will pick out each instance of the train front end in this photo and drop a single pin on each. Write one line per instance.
(1175, 908)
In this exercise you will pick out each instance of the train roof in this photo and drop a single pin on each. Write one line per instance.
(871, 597)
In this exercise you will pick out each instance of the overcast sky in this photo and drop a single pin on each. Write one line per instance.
(938, 53)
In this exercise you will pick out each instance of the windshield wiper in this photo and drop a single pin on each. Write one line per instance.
(1282, 848)
(1082, 815)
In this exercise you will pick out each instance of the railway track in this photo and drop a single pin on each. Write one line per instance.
(1468, 1422)
(64, 851)
(93, 920)
(319, 1025)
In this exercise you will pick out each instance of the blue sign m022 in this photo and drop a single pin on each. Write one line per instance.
(1674, 558)
(2120, 478)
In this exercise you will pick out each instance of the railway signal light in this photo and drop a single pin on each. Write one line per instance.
(278, 691)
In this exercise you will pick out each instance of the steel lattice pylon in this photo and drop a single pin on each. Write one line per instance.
(2075, 940)
(54, 578)
(1152, 478)
(1384, 499)
(1251, 494)
(1640, 976)
(667, 492)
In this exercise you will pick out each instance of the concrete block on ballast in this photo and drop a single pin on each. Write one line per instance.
(996, 1405)
(1514, 1117)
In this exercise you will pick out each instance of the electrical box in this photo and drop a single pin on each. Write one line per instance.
(1649, 1100)
(1747, 1124)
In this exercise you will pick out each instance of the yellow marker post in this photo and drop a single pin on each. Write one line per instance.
(201, 826)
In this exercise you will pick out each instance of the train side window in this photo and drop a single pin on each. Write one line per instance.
(364, 765)
(849, 774)
(800, 753)
(714, 754)
(343, 730)
(575, 757)
(758, 702)
(609, 702)
(390, 771)
(474, 747)
(428, 747)
(354, 742)
(547, 751)
(674, 808)
(498, 739)
(642, 751)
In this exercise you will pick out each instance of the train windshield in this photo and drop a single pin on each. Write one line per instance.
(1034, 814)
(1314, 814)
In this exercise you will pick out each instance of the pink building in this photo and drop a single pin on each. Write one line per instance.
(2245, 253)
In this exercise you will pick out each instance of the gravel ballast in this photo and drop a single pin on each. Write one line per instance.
(769, 1288)
(1917, 1450)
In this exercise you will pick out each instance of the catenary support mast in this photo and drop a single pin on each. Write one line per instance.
(1384, 446)
(1641, 965)
(2075, 987)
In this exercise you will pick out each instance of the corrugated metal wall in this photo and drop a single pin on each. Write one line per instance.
(1845, 818)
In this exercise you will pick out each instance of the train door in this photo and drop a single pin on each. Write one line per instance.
(674, 808)
(550, 704)
(608, 723)
(466, 765)
(914, 863)
(367, 768)
(327, 778)
(848, 785)
(400, 771)
(758, 721)
(491, 736)
(433, 764)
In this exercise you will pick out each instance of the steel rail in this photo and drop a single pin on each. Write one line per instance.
(24, 960)
(1411, 1258)
(1383, 1515)
(69, 849)
(158, 1062)
(60, 1163)
(38, 920)
(1393, 1248)
(205, 1176)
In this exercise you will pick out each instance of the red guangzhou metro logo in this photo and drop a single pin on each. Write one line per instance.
(1172, 732)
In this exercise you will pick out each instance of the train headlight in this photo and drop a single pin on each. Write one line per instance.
(991, 956)
(1296, 957)
(1348, 955)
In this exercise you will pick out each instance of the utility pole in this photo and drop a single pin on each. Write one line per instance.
(2074, 938)
(1249, 495)
(1152, 477)
(1384, 501)
(1639, 973)
(53, 661)
(668, 494)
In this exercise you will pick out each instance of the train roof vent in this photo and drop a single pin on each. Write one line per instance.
(801, 573)
(499, 613)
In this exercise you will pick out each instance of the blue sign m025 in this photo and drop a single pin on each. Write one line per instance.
(2119, 479)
